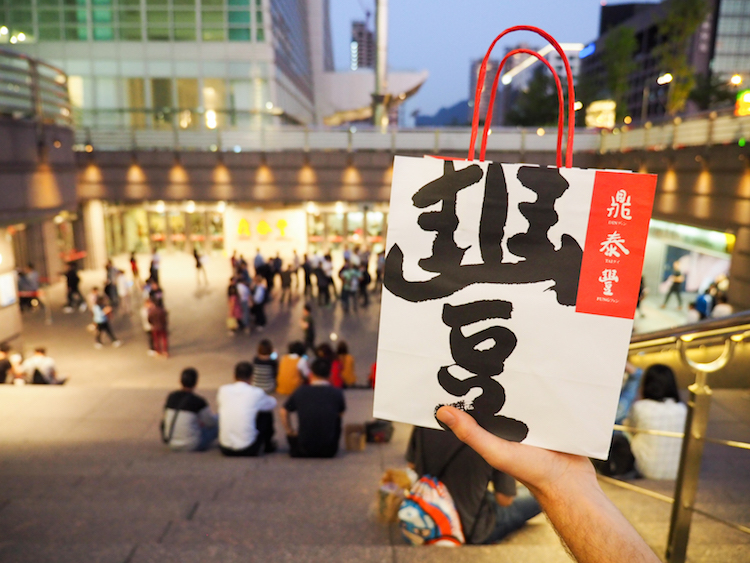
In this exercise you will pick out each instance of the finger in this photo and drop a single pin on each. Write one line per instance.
(493, 449)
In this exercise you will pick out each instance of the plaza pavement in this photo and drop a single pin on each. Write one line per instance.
(84, 477)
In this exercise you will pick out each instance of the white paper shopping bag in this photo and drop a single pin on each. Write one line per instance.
(510, 292)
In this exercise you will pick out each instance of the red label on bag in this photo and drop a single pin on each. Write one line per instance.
(615, 244)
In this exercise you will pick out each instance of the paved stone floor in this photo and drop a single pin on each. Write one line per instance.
(83, 476)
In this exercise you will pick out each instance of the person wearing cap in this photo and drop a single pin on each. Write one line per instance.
(319, 407)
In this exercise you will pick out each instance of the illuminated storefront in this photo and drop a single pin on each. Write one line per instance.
(243, 227)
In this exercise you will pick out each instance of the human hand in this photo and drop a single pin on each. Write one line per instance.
(545, 473)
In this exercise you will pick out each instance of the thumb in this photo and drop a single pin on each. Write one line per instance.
(494, 450)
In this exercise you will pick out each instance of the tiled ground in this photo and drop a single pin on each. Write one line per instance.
(83, 476)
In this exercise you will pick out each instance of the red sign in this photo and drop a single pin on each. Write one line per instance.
(615, 244)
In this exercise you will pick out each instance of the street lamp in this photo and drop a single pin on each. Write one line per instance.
(663, 79)
(736, 80)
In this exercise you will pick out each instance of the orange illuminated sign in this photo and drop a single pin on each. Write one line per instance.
(742, 107)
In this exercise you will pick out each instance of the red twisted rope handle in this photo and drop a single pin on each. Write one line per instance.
(571, 90)
(491, 105)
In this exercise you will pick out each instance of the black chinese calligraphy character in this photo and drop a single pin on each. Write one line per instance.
(483, 363)
(541, 261)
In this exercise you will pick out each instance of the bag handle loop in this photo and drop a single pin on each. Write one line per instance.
(569, 77)
(491, 105)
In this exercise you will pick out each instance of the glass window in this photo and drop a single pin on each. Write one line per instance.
(184, 34)
(50, 33)
(130, 33)
(157, 17)
(197, 223)
(101, 16)
(48, 16)
(355, 227)
(217, 3)
(47, 2)
(102, 33)
(239, 34)
(136, 100)
(150, 3)
(216, 230)
(177, 229)
(183, 17)
(190, 3)
(130, 16)
(158, 33)
(74, 16)
(157, 223)
(213, 34)
(260, 36)
(76, 33)
(216, 18)
(187, 102)
(239, 17)
(161, 92)
(259, 17)
(20, 16)
(335, 229)
(239, 2)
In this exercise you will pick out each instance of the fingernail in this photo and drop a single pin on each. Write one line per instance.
(445, 416)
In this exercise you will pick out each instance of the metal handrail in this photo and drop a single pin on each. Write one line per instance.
(41, 91)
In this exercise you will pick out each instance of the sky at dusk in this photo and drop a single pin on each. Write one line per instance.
(444, 36)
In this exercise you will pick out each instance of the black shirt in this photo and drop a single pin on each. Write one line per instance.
(4, 369)
(318, 409)
(185, 401)
(466, 477)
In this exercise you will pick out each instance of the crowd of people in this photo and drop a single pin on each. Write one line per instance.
(309, 384)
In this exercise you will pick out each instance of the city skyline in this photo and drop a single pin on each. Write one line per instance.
(419, 43)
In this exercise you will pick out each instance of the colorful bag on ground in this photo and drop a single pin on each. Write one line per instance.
(510, 290)
(428, 515)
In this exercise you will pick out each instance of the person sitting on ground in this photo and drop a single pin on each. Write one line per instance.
(486, 517)
(40, 369)
(722, 308)
(188, 423)
(289, 376)
(265, 367)
(566, 487)
(319, 408)
(342, 369)
(6, 365)
(658, 457)
(245, 416)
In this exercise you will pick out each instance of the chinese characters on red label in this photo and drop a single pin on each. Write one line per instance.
(615, 244)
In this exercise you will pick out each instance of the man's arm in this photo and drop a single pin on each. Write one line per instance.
(566, 487)
(284, 415)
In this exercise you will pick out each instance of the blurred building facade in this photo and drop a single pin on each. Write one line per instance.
(362, 46)
(193, 64)
(720, 44)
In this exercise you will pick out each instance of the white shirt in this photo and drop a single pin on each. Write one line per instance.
(243, 292)
(657, 457)
(721, 310)
(239, 404)
(44, 364)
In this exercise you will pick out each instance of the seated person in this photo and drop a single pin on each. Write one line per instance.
(319, 408)
(188, 423)
(6, 365)
(486, 517)
(265, 367)
(658, 457)
(40, 369)
(290, 377)
(245, 415)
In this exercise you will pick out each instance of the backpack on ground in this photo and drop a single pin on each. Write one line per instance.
(428, 515)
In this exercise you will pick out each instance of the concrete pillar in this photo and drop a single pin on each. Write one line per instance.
(739, 271)
(10, 314)
(96, 240)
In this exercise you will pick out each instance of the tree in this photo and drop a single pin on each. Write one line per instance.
(619, 48)
(676, 31)
(711, 91)
(537, 105)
